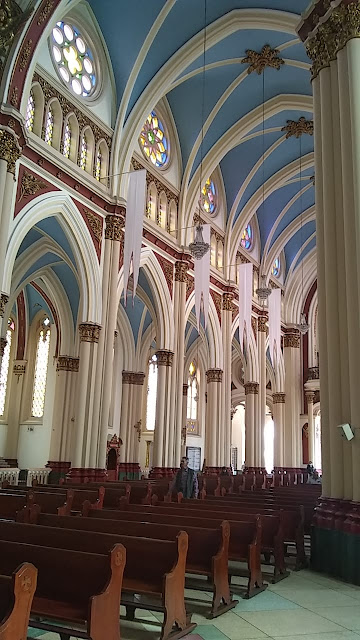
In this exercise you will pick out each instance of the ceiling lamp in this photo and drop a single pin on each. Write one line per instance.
(263, 291)
(199, 247)
(303, 326)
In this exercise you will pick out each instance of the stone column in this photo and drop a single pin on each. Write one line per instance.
(260, 425)
(87, 379)
(212, 428)
(160, 455)
(251, 400)
(225, 425)
(136, 390)
(15, 404)
(292, 432)
(278, 416)
(125, 414)
(310, 410)
(184, 420)
(174, 444)
(66, 368)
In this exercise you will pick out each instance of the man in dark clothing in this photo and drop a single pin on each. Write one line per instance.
(186, 480)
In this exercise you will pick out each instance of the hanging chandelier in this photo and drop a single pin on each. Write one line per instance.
(303, 326)
(263, 291)
(199, 247)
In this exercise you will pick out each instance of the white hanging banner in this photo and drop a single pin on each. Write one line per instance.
(274, 306)
(135, 210)
(245, 300)
(202, 280)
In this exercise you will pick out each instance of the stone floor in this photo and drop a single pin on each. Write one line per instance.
(305, 605)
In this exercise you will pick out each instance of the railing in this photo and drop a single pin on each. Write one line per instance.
(9, 475)
(313, 373)
(40, 475)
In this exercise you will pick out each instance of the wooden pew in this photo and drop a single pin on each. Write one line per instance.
(207, 551)
(14, 506)
(75, 590)
(16, 595)
(154, 570)
(60, 503)
(73, 499)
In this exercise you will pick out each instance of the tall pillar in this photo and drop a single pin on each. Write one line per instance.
(66, 367)
(183, 420)
(310, 410)
(278, 417)
(251, 400)
(125, 416)
(292, 434)
(213, 414)
(225, 425)
(9, 154)
(15, 405)
(180, 281)
(260, 425)
(135, 419)
(162, 423)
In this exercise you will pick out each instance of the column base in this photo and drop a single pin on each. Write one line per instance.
(127, 471)
(163, 472)
(216, 470)
(81, 475)
(59, 469)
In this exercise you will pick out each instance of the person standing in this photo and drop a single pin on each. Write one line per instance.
(186, 480)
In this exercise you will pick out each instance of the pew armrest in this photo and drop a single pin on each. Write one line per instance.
(106, 605)
(174, 586)
(15, 624)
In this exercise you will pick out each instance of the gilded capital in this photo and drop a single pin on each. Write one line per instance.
(227, 301)
(292, 339)
(133, 377)
(279, 398)
(89, 332)
(181, 269)
(310, 396)
(66, 363)
(164, 358)
(139, 378)
(127, 377)
(113, 229)
(214, 375)
(261, 324)
(4, 299)
(251, 388)
(9, 150)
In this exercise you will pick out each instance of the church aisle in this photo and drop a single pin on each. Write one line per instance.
(305, 606)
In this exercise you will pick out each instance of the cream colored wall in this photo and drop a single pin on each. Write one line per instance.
(238, 433)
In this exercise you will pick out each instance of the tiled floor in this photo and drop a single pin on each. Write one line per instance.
(304, 606)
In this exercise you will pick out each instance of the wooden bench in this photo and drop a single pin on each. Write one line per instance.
(73, 498)
(16, 595)
(154, 573)
(14, 506)
(79, 591)
(207, 549)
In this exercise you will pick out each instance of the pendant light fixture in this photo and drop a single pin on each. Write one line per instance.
(303, 326)
(199, 247)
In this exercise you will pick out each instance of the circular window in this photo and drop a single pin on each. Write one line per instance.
(153, 141)
(73, 59)
(247, 238)
(208, 197)
(276, 268)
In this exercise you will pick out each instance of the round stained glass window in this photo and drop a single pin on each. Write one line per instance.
(73, 59)
(208, 197)
(247, 238)
(153, 141)
(276, 268)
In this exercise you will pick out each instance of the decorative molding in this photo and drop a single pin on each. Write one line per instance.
(189, 286)
(25, 55)
(12, 18)
(9, 150)
(4, 299)
(254, 326)
(133, 377)
(181, 269)
(258, 62)
(217, 298)
(45, 12)
(241, 259)
(298, 127)
(95, 224)
(279, 398)
(261, 324)
(30, 185)
(19, 368)
(137, 426)
(89, 332)
(139, 378)
(214, 375)
(168, 270)
(113, 228)
(292, 339)
(251, 388)
(310, 396)
(165, 358)
(227, 301)
(137, 166)
(67, 363)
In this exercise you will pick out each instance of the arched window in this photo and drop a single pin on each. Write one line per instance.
(151, 203)
(83, 152)
(151, 394)
(49, 127)
(30, 113)
(41, 369)
(192, 394)
(172, 218)
(220, 255)
(162, 210)
(67, 140)
(208, 197)
(276, 268)
(153, 141)
(5, 365)
(213, 250)
(98, 165)
(247, 237)
(73, 59)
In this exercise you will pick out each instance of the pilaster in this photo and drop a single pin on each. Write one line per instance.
(251, 400)
(214, 379)
(160, 453)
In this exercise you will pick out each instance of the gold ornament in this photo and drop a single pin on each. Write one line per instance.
(292, 340)
(268, 57)
(67, 363)
(11, 19)
(4, 299)
(137, 426)
(89, 332)
(30, 185)
(251, 388)
(227, 301)
(181, 269)
(214, 375)
(25, 55)
(298, 127)
(165, 358)
(95, 224)
(9, 150)
(114, 227)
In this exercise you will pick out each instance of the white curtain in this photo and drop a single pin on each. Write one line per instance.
(135, 210)
(274, 306)
(245, 300)
(202, 281)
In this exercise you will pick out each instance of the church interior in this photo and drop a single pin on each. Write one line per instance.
(179, 319)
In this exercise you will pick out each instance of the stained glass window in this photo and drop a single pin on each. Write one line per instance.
(83, 153)
(247, 237)
(208, 196)
(49, 128)
(4, 371)
(30, 113)
(276, 268)
(73, 59)
(98, 165)
(153, 141)
(151, 394)
(67, 140)
(192, 394)
(41, 369)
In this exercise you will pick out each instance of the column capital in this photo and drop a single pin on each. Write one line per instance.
(67, 363)
(4, 299)
(214, 375)
(251, 388)
(164, 358)
(89, 332)
(133, 377)
(181, 269)
(3, 343)
(114, 227)
(292, 339)
(279, 398)
(261, 324)
(310, 396)
(19, 368)
(185, 389)
(227, 301)
(139, 378)
(9, 149)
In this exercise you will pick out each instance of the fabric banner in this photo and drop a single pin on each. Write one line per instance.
(274, 305)
(245, 300)
(202, 281)
(135, 211)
